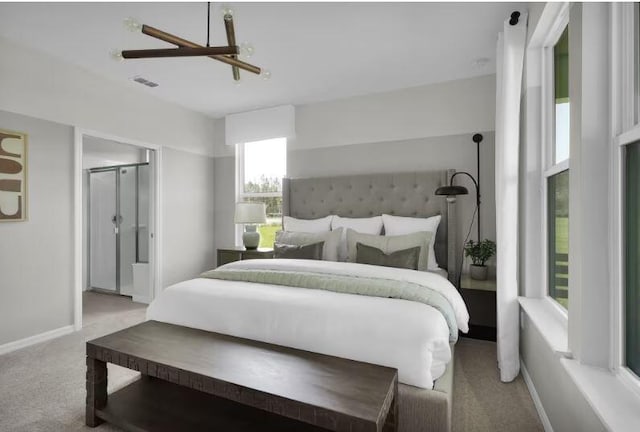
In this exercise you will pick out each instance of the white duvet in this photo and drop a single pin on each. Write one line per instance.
(410, 336)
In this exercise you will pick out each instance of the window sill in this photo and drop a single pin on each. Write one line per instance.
(549, 321)
(613, 401)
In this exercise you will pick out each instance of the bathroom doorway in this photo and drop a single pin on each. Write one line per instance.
(117, 202)
(118, 229)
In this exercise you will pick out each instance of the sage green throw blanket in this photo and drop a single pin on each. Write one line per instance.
(373, 287)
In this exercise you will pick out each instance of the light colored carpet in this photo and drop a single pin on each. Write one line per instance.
(42, 388)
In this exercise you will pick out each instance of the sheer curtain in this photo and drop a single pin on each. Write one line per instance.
(510, 58)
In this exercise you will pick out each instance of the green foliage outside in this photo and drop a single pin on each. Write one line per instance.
(562, 247)
(268, 234)
(266, 185)
(273, 206)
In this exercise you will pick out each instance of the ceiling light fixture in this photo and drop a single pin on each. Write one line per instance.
(226, 54)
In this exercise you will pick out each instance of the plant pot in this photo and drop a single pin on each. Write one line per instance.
(478, 272)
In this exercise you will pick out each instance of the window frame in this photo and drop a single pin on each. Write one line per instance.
(549, 168)
(626, 131)
(240, 194)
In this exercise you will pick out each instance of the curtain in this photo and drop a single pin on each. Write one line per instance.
(510, 58)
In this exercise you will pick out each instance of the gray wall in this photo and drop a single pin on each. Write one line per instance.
(417, 129)
(564, 404)
(36, 257)
(188, 224)
(456, 151)
(426, 154)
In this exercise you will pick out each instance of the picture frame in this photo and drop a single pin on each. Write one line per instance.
(13, 176)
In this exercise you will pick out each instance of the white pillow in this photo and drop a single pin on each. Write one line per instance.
(398, 225)
(307, 225)
(371, 225)
(331, 241)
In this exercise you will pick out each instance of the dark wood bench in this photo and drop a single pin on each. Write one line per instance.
(197, 380)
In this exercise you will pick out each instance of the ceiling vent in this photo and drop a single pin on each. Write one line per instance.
(144, 81)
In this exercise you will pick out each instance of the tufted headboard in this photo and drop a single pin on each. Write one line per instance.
(401, 194)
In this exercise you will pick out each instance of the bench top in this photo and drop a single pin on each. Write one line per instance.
(325, 391)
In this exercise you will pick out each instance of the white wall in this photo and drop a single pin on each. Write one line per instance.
(99, 152)
(188, 224)
(36, 84)
(424, 128)
(36, 283)
(561, 398)
(36, 279)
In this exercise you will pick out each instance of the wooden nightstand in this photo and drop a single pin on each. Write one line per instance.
(227, 255)
(480, 297)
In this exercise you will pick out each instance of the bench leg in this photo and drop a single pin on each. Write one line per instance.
(96, 390)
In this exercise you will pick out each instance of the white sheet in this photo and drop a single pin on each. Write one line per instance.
(409, 336)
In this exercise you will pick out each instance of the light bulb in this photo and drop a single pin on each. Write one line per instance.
(116, 55)
(247, 49)
(237, 82)
(132, 24)
(265, 74)
(226, 11)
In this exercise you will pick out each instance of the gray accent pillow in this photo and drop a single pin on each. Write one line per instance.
(406, 258)
(331, 241)
(311, 251)
(390, 244)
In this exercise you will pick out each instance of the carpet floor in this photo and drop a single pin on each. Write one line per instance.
(42, 387)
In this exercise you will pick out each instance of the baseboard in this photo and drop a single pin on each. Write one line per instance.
(141, 299)
(536, 399)
(32, 340)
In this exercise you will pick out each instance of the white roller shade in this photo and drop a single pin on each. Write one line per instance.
(259, 125)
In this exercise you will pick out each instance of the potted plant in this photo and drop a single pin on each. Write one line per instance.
(479, 252)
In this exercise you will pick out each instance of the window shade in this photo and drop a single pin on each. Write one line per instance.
(259, 125)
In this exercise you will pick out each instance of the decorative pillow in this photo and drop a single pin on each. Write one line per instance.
(307, 225)
(372, 225)
(390, 244)
(311, 251)
(398, 225)
(406, 258)
(331, 241)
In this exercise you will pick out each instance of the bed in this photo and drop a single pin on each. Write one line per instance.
(416, 338)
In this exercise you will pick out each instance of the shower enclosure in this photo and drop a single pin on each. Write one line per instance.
(118, 225)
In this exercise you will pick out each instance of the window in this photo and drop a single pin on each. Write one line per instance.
(557, 175)
(261, 165)
(632, 256)
(636, 54)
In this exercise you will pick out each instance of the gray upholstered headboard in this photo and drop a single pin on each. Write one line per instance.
(401, 194)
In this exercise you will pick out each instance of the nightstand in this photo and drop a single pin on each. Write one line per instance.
(227, 255)
(480, 297)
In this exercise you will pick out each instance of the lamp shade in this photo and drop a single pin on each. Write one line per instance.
(250, 213)
(452, 190)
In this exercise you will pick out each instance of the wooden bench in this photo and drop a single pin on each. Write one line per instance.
(197, 380)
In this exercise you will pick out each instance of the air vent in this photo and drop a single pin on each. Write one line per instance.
(144, 81)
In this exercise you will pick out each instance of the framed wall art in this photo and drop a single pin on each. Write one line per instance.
(13, 176)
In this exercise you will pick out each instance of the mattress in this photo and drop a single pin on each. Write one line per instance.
(410, 336)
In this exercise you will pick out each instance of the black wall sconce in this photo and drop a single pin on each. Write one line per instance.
(452, 190)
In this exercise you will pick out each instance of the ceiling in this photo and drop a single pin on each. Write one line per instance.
(315, 51)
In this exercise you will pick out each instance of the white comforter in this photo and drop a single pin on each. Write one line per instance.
(410, 336)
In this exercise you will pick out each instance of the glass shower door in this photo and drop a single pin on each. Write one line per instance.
(103, 230)
(128, 227)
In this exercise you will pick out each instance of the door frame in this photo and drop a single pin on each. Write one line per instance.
(155, 249)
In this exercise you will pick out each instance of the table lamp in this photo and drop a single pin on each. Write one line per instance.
(250, 214)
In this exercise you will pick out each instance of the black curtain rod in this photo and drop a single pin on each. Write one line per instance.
(515, 16)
